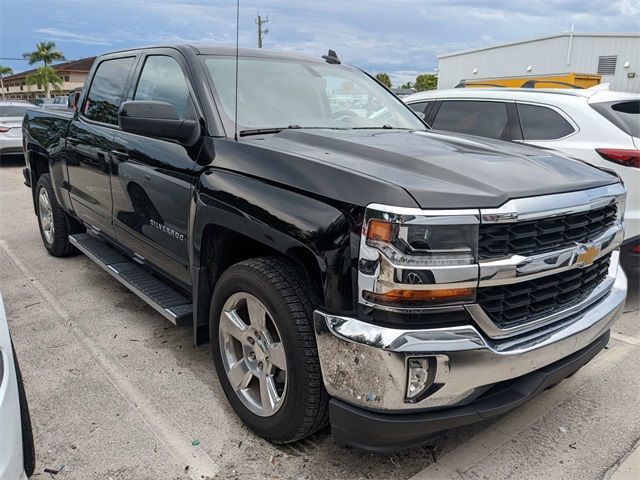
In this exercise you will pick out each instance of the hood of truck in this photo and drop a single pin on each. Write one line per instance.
(441, 170)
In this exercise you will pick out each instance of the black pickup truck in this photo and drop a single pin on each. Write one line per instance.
(347, 264)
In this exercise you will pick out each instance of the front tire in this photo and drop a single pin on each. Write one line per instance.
(264, 349)
(55, 225)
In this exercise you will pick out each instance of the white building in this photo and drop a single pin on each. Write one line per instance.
(615, 56)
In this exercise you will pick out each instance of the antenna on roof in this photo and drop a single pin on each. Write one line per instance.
(332, 57)
(235, 122)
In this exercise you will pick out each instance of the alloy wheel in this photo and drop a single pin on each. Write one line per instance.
(253, 354)
(45, 213)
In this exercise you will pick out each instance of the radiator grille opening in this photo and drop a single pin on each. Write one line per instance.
(544, 235)
(519, 303)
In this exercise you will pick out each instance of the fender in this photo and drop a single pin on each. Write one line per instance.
(46, 143)
(314, 233)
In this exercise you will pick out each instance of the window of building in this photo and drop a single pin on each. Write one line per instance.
(542, 123)
(485, 119)
(107, 89)
(66, 78)
(607, 65)
(162, 80)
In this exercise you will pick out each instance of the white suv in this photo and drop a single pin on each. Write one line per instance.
(596, 125)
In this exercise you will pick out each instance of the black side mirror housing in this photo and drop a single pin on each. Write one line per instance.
(155, 119)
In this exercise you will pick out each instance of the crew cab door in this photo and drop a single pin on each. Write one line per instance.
(90, 141)
(152, 177)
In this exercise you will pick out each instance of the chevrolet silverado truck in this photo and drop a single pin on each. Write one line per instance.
(347, 265)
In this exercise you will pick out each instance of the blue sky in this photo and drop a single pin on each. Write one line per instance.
(401, 37)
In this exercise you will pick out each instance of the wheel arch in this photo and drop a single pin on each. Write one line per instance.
(38, 163)
(227, 228)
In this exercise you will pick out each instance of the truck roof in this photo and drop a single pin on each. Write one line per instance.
(203, 49)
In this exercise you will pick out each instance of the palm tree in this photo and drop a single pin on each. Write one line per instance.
(45, 52)
(4, 71)
(45, 76)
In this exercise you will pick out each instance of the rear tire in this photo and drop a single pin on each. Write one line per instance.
(280, 286)
(55, 224)
(28, 448)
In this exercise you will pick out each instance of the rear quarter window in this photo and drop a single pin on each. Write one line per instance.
(624, 115)
(12, 111)
(542, 123)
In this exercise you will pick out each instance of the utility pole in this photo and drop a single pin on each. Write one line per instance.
(261, 30)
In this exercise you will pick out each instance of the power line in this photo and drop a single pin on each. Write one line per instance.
(261, 31)
(26, 59)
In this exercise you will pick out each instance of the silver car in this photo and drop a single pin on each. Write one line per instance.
(17, 455)
(11, 115)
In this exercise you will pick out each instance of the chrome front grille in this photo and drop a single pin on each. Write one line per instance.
(527, 301)
(543, 235)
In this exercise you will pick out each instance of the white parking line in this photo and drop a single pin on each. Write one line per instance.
(168, 432)
(627, 339)
(480, 446)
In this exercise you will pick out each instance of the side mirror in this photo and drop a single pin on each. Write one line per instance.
(155, 119)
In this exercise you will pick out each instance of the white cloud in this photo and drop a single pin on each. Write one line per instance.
(87, 39)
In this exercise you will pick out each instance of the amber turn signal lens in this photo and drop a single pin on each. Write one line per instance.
(380, 231)
(427, 295)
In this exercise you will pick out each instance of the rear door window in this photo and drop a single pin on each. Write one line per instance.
(542, 123)
(162, 80)
(485, 119)
(107, 89)
(624, 115)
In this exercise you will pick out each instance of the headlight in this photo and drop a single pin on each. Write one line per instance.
(436, 243)
(418, 258)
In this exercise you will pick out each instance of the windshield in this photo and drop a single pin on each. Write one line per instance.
(274, 93)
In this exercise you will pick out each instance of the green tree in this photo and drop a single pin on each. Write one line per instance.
(45, 52)
(4, 71)
(44, 77)
(406, 85)
(426, 81)
(384, 79)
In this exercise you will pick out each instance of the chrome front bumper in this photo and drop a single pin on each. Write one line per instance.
(366, 364)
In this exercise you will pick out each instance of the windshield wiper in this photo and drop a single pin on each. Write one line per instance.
(261, 131)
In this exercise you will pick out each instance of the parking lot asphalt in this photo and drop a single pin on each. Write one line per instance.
(117, 392)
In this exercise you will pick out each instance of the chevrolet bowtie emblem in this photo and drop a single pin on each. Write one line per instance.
(587, 257)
